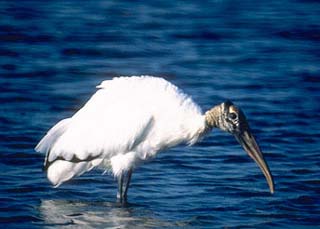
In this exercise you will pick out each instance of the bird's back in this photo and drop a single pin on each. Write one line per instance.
(147, 92)
(172, 110)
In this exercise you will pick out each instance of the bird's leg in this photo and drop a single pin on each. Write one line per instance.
(123, 186)
(120, 188)
(127, 183)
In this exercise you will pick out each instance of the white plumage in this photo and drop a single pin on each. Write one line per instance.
(127, 121)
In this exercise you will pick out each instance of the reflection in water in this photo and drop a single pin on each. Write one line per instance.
(97, 214)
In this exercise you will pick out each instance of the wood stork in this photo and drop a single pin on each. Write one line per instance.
(128, 121)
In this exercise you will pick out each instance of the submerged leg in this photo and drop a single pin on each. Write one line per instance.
(120, 189)
(126, 185)
(123, 186)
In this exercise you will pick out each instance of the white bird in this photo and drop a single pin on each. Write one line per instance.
(127, 122)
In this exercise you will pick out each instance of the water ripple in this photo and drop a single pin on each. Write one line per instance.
(264, 57)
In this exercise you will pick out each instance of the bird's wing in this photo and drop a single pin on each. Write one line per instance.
(52, 136)
(101, 129)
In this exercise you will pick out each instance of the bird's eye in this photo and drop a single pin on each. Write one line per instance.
(232, 116)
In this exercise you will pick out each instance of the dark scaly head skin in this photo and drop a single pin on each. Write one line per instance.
(231, 119)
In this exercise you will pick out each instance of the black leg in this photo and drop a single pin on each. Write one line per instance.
(123, 186)
(127, 183)
(120, 189)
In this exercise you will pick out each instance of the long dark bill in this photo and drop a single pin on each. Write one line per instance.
(250, 145)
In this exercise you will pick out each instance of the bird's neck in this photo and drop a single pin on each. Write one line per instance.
(212, 117)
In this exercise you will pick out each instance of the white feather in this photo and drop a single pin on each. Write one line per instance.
(127, 121)
(53, 134)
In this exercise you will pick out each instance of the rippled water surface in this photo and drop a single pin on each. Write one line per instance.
(265, 56)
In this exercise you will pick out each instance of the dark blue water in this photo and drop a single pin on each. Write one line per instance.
(264, 56)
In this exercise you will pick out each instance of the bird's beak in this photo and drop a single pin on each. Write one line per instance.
(250, 145)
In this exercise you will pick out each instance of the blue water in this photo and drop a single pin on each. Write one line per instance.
(264, 56)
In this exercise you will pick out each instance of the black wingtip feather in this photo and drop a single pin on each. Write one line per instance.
(74, 159)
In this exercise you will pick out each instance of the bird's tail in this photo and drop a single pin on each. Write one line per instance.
(61, 170)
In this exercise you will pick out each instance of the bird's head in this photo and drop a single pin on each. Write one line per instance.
(231, 119)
